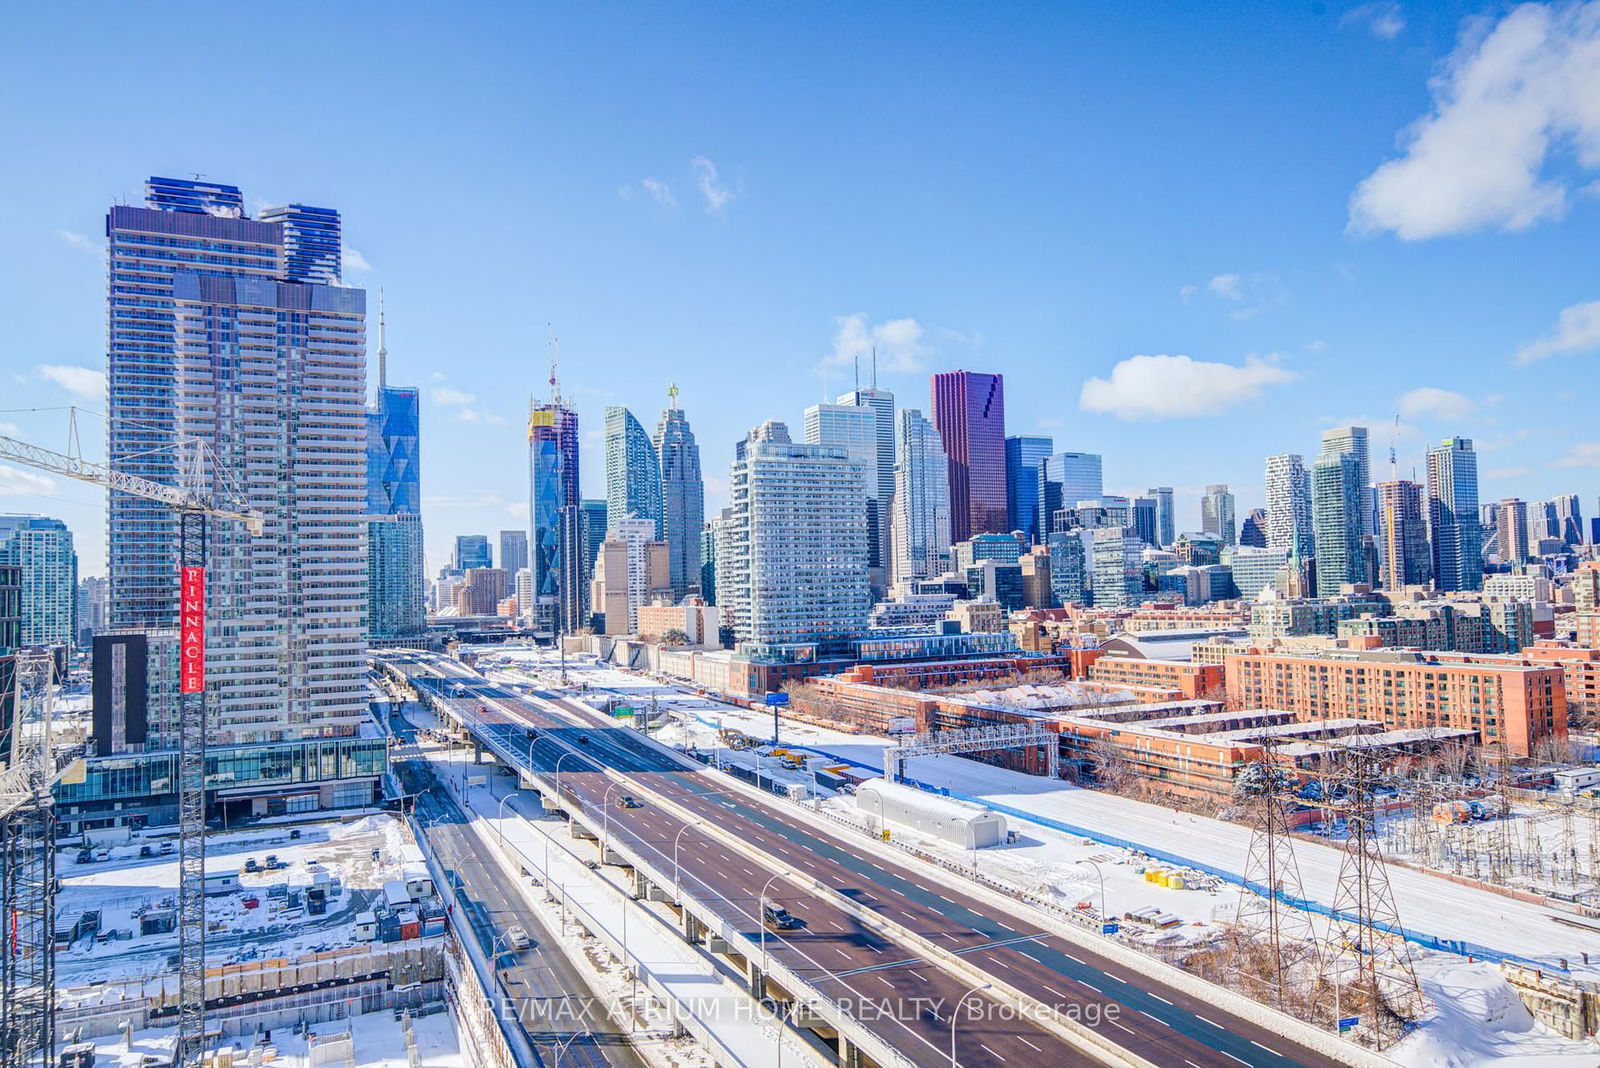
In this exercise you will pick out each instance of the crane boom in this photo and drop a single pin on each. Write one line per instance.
(178, 500)
(193, 509)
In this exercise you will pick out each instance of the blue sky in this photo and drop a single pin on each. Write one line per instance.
(1325, 208)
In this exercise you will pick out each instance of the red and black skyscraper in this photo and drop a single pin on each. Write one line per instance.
(969, 410)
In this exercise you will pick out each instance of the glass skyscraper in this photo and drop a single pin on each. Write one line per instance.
(1336, 504)
(1354, 440)
(633, 474)
(855, 429)
(683, 497)
(41, 548)
(921, 523)
(1217, 514)
(217, 332)
(472, 551)
(969, 410)
(1166, 517)
(1065, 478)
(880, 477)
(396, 583)
(1453, 524)
(556, 543)
(1023, 456)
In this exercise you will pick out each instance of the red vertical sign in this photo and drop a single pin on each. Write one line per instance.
(192, 630)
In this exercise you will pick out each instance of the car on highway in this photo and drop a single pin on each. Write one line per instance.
(628, 801)
(778, 918)
(583, 739)
(517, 936)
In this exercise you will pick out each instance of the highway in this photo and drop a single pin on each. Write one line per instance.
(540, 980)
(832, 950)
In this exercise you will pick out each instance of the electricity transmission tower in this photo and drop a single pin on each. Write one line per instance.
(1366, 931)
(1270, 899)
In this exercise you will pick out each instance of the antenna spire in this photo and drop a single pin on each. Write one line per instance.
(383, 348)
(672, 396)
(550, 340)
(874, 367)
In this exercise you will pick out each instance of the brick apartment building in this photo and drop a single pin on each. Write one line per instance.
(1501, 699)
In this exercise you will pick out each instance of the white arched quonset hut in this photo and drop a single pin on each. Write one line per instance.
(960, 823)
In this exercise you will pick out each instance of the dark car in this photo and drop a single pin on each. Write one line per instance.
(583, 739)
(628, 801)
(778, 917)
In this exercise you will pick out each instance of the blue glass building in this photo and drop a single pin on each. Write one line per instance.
(633, 471)
(556, 542)
(396, 583)
(1023, 456)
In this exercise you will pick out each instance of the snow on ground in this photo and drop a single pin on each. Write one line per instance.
(532, 839)
(1426, 903)
(379, 1043)
(1476, 1020)
(125, 886)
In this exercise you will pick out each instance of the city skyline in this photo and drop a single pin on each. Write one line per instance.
(1274, 299)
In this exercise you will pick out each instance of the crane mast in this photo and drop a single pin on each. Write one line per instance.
(194, 511)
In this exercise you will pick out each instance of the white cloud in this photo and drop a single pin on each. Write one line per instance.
(464, 405)
(85, 382)
(718, 195)
(80, 241)
(18, 483)
(1577, 330)
(1178, 387)
(1253, 293)
(517, 509)
(898, 342)
(1509, 93)
(1429, 402)
(9, 429)
(1583, 454)
(355, 261)
(1383, 20)
(660, 191)
(1227, 286)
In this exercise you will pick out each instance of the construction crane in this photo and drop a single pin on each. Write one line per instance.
(27, 855)
(194, 509)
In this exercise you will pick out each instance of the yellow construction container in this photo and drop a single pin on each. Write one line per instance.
(1176, 882)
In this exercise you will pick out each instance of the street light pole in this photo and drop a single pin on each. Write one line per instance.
(501, 824)
(762, 917)
(559, 759)
(677, 873)
(1104, 917)
(605, 816)
(956, 1014)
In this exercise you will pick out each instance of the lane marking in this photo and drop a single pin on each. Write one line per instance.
(1269, 1049)
(1030, 1045)
(1091, 986)
(1158, 997)
(1114, 1023)
(1225, 1053)
(993, 1054)
(1213, 1023)
(1053, 990)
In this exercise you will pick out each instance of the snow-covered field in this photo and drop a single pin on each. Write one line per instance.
(378, 1043)
(125, 886)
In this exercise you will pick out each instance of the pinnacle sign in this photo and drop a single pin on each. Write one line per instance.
(192, 630)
